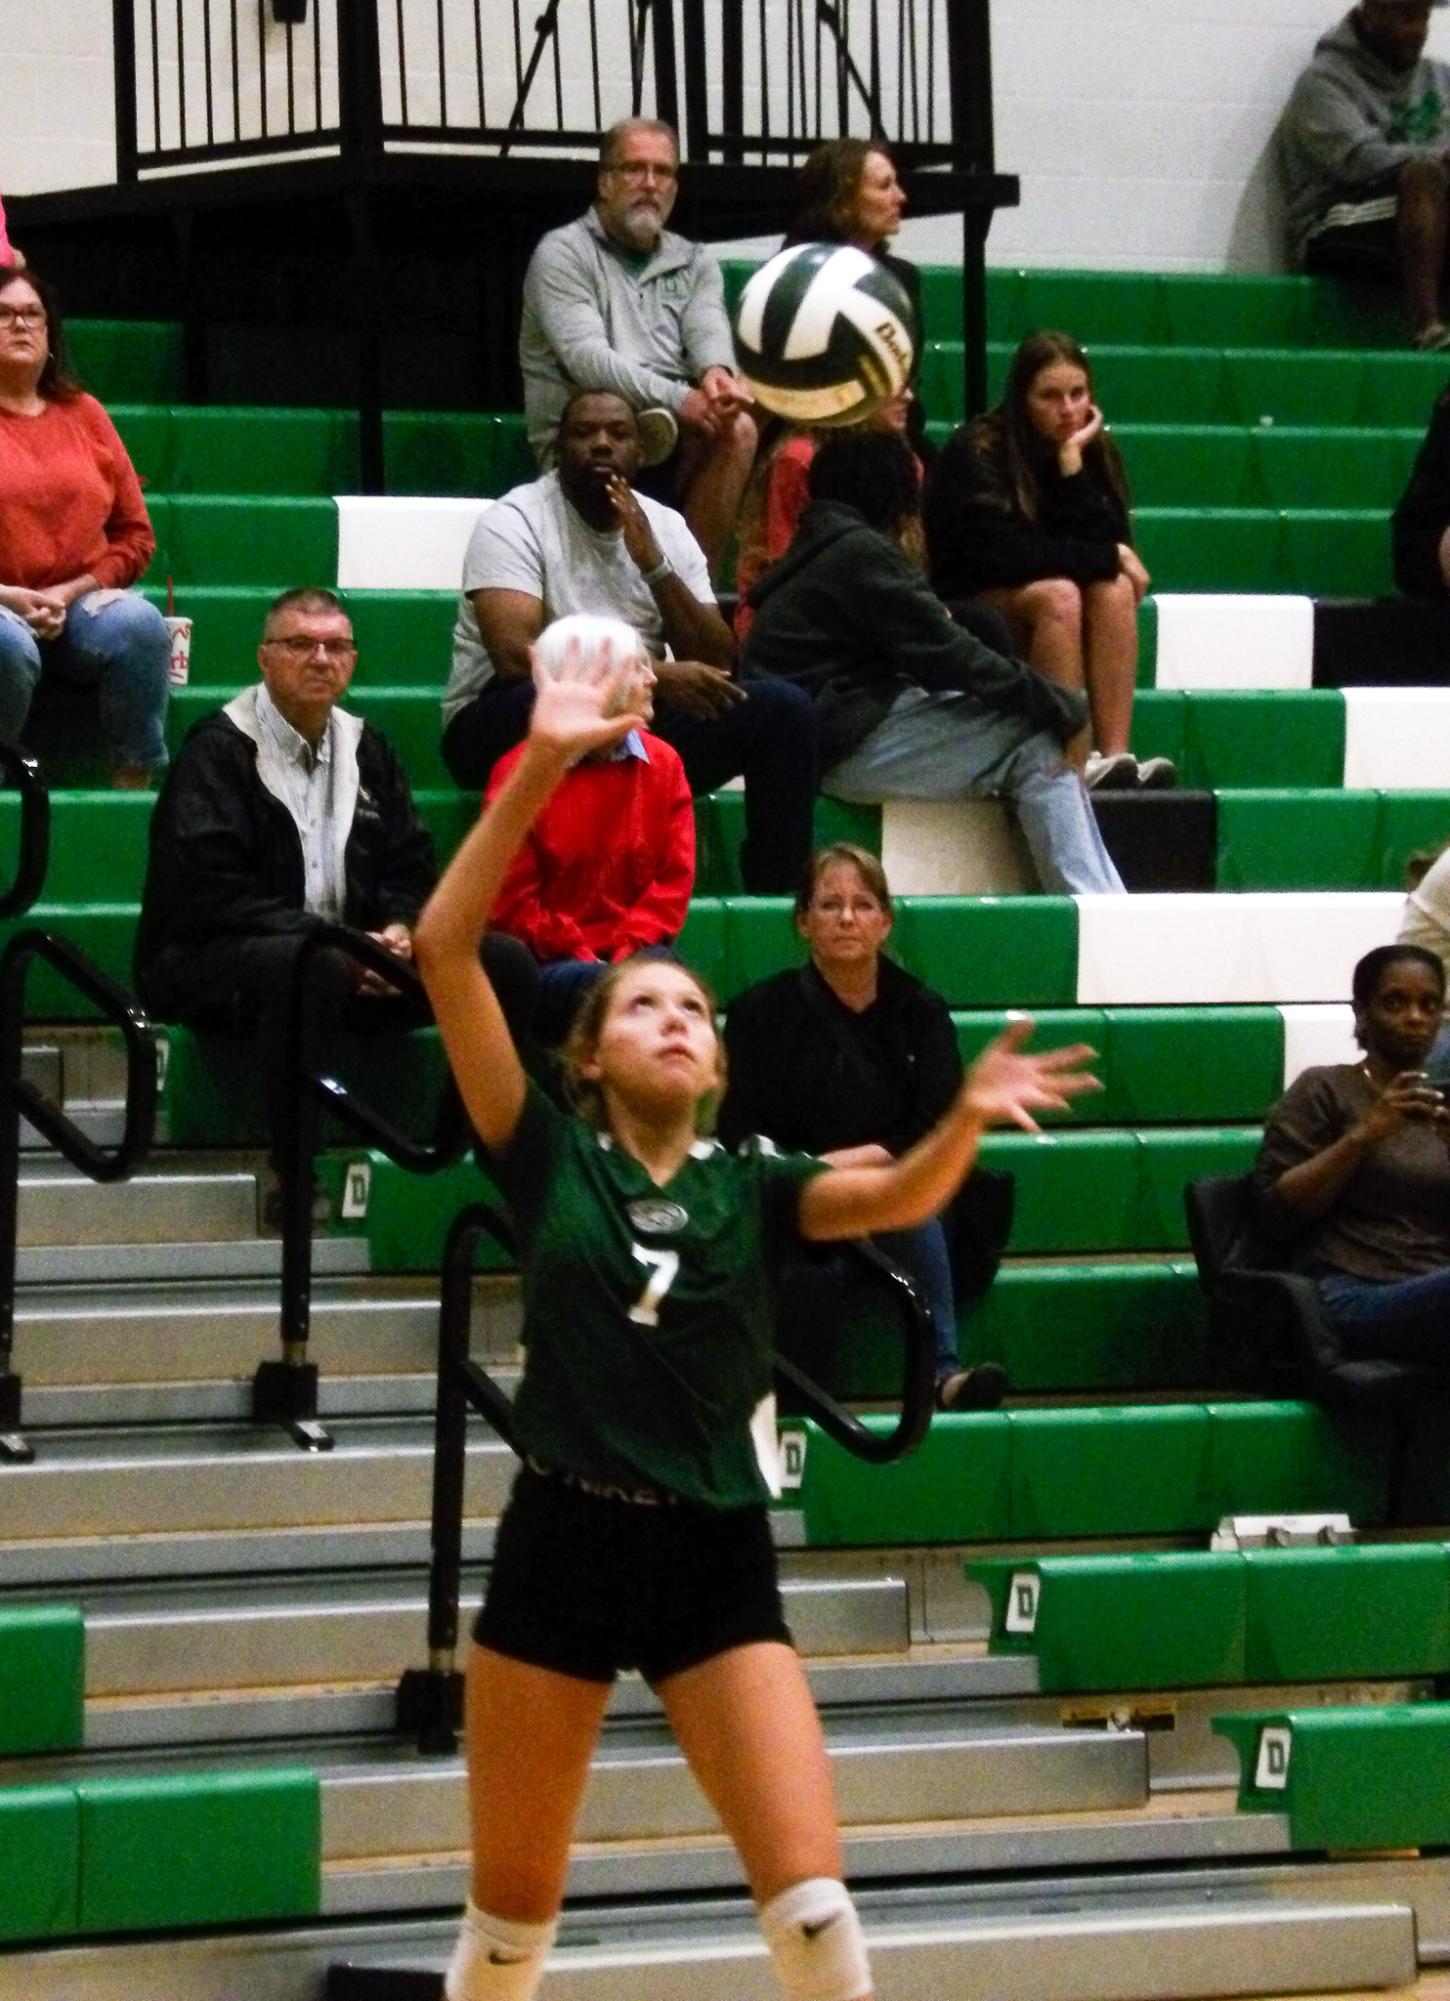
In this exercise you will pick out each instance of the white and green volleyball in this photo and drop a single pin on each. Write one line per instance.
(824, 334)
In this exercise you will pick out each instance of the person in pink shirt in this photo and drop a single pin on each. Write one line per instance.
(74, 535)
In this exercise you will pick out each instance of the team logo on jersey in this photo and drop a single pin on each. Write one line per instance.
(654, 1217)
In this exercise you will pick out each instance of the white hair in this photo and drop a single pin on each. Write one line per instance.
(590, 633)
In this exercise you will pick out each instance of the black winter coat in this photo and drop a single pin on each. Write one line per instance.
(226, 858)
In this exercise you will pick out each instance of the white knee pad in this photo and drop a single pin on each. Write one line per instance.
(816, 1942)
(497, 1959)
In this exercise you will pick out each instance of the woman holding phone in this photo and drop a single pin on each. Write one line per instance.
(1029, 512)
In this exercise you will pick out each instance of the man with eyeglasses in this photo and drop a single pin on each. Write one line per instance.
(617, 301)
(282, 813)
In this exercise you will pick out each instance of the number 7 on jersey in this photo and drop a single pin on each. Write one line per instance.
(663, 1266)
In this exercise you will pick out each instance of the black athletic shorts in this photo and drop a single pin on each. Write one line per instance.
(588, 1585)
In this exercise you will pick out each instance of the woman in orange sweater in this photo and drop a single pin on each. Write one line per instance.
(74, 533)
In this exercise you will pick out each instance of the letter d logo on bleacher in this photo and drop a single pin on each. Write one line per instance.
(1022, 1593)
(1271, 1774)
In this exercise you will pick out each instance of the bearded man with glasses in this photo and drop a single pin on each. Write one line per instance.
(616, 301)
(283, 813)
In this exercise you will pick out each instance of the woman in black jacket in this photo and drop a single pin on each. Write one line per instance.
(852, 1059)
(1029, 512)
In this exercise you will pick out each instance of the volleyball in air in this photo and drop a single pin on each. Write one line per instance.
(824, 334)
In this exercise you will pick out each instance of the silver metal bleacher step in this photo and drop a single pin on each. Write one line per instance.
(1043, 1943)
(221, 1479)
(60, 1206)
(169, 1351)
(1171, 1955)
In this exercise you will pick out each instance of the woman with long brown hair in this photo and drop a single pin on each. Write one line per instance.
(1030, 512)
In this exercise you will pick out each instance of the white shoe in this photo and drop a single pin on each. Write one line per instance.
(1118, 773)
(1157, 774)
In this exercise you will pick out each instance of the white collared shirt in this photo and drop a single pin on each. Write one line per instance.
(303, 779)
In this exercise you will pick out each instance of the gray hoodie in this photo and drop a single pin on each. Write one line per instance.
(1352, 122)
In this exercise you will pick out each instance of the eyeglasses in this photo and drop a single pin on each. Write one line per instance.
(300, 648)
(640, 170)
(22, 316)
(837, 906)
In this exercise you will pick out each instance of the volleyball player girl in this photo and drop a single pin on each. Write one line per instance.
(636, 1534)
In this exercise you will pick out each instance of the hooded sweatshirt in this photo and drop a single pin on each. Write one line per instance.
(848, 617)
(1351, 122)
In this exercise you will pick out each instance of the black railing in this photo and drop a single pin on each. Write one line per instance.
(32, 848)
(430, 1699)
(284, 1390)
(23, 1100)
(222, 82)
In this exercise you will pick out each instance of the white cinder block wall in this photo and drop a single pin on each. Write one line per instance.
(1140, 128)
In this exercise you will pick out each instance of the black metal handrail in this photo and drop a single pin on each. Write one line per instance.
(284, 1391)
(23, 1100)
(429, 1705)
(220, 82)
(33, 854)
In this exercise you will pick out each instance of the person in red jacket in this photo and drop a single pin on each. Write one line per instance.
(608, 866)
(74, 534)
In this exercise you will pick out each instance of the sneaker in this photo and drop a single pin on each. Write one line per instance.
(659, 432)
(982, 1388)
(1433, 339)
(1118, 773)
(1157, 774)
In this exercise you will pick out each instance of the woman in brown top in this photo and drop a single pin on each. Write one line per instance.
(1354, 1170)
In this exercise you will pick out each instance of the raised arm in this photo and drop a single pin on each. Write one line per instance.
(1004, 1086)
(569, 719)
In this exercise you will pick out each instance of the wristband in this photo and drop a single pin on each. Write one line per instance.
(662, 569)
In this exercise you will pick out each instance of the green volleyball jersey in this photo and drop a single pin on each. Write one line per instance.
(648, 1321)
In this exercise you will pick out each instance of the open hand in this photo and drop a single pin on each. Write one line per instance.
(572, 708)
(639, 538)
(1005, 1086)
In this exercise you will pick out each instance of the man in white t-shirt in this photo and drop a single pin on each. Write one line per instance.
(582, 540)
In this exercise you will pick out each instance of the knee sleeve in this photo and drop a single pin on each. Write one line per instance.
(816, 1942)
(497, 1959)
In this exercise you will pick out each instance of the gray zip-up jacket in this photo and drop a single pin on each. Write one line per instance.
(1352, 122)
(597, 318)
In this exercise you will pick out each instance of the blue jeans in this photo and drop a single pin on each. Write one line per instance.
(922, 1255)
(1405, 1319)
(951, 746)
(122, 645)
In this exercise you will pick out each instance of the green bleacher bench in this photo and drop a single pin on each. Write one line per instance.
(205, 1849)
(1051, 1475)
(40, 1853)
(1347, 1778)
(42, 1679)
(1206, 1618)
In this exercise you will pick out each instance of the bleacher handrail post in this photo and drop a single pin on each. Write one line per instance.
(33, 857)
(22, 1100)
(284, 1390)
(123, 37)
